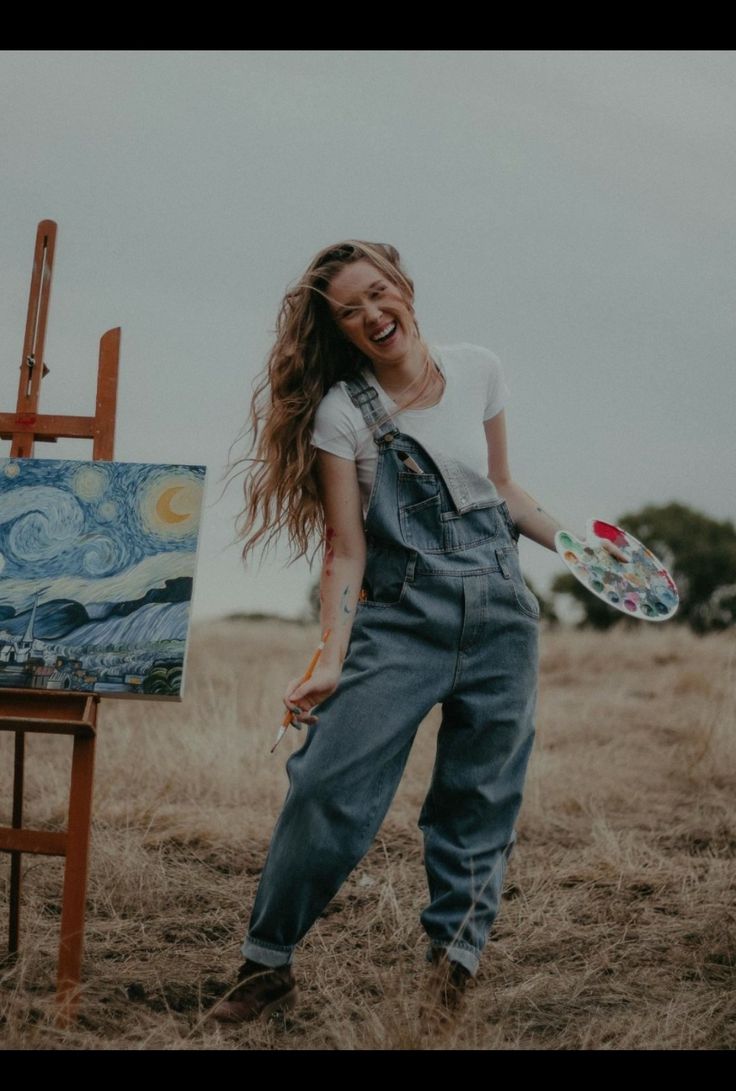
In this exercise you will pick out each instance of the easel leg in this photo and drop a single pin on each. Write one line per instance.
(16, 857)
(75, 879)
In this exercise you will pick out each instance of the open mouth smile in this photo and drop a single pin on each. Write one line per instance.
(384, 334)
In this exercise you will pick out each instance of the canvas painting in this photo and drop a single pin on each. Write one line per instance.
(97, 565)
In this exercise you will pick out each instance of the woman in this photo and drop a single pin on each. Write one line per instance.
(395, 453)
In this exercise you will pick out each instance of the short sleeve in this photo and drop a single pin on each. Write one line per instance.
(334, 429)
(497, 391)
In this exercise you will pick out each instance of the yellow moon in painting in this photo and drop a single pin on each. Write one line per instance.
(164, 509)
(170, 504)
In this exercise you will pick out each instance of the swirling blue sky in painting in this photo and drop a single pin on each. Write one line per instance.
(88, 522)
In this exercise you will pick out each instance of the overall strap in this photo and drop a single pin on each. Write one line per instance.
(365, 397)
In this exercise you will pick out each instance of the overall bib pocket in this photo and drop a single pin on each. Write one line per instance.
(472, 528)
(419, 504)
(429, 522)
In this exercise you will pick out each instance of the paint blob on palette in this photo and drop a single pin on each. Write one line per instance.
(640, 587)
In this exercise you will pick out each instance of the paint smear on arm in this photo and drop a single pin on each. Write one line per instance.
(329, 549)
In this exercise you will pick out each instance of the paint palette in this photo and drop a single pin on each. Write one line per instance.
(640, 587)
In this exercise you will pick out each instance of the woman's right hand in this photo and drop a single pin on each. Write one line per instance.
(303, 696)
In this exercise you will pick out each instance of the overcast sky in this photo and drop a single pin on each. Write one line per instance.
(572, 211)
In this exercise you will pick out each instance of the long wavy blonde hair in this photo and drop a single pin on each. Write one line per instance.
(309, 356)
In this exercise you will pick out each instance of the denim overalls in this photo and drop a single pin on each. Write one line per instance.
(444, 616)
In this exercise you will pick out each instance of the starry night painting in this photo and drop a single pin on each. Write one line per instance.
(96, 571)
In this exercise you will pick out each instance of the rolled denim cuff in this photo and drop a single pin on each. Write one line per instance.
(266, 954)
(466, 956)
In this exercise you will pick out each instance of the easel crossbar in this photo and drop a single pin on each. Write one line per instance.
(40, 842)
(50, 708)
(47, 426)
(46, 727)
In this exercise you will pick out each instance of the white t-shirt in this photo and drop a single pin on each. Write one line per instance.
(475, 391)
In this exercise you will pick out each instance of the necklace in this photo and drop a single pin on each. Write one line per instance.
(438, 376)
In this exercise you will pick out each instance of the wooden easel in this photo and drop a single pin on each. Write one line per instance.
(49, 711)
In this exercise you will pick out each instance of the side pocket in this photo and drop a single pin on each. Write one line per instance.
(526, 600)
(384, 578)
(420, 523)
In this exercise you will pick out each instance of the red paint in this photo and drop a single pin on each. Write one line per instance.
(28, 418)
(609, 532)
(329, 552)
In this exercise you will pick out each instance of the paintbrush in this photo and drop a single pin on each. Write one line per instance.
(288, 718)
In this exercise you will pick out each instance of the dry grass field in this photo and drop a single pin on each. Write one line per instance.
(618, 925)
